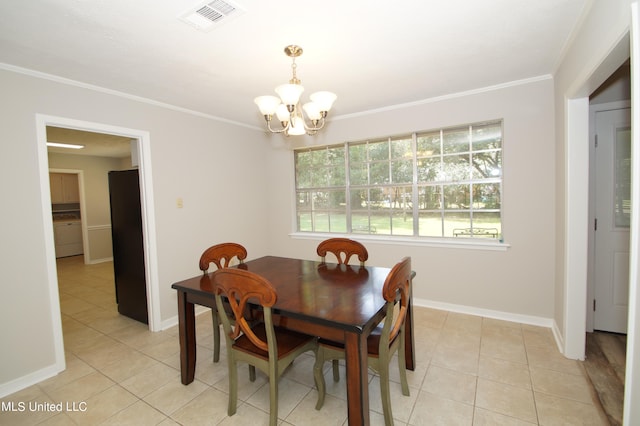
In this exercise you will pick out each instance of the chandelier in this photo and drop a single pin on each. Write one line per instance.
(287, 106)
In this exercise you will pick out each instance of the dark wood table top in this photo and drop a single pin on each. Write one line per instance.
(347, 297)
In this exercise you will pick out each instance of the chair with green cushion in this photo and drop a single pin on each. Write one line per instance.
(221, 255)
(387, 339)
(343, 249)
(269, 348)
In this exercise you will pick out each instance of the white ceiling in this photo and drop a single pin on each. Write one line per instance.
(372, 54)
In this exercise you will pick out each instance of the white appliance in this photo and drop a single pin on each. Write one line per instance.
(68, 237)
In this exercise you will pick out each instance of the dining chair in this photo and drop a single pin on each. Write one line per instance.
(221, 255)
(269, 348)
(343, 249)
(384, 341)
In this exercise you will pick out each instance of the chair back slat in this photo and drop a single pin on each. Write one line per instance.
(239, 286)
(343, 249)
(222, 255)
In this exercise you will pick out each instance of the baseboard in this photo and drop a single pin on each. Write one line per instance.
(471, 310)
(106, 259)
(173, 321)
(29, 380)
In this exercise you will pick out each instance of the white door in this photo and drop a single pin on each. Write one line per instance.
(612, 212)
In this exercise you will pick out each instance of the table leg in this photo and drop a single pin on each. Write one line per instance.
(357, 378)
(187, 333)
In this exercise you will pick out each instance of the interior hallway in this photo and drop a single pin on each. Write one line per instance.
(470, 370)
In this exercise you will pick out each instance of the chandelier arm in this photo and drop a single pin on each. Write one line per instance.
(314, 126)
(283, 130)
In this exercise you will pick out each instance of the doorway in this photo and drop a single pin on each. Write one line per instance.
(144, 159)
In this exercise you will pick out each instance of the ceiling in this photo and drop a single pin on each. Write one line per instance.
(372, 54)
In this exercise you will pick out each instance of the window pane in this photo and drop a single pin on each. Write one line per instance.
(381, 221)
(360, 223)
(430, 197)
(487, 224)
(336, 176)
(456, 140)
(402, 171)
(303, 200)
(359, 174)
(456, 197)
(304, 222)
(402, 222)
(486, 196)
(486, 164)
(456, 223)
(359, 199)
(379, 173)
(401, 148)
(428, 144)
(379, 150)
(357, 153)
(429, 169)
(430, 224)
(456, 167)
(321, 222)
(487, 136)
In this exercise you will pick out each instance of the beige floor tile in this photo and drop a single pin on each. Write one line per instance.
(137, 414)
(506, 399)
(147, 381)
(105, 352)
(450, 384)
(402, 405)
(174, 395)
(433, 410)
(456, 359)
(507, 372)
(248, 415)
(482, 417)
(81, 389)
(209, 407)
(504, 348)
(136, 362)
(290, 393)
(564, 385)
(100, 407)
(333, 412)
(549, 358)
(553, 410)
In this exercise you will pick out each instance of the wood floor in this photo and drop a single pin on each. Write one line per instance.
(605, 366)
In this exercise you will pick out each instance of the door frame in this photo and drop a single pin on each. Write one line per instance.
(148, 217)
(591, 282)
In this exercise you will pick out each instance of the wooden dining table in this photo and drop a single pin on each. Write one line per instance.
(342, 303)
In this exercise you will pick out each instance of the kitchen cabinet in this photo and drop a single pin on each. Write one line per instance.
(64, 188)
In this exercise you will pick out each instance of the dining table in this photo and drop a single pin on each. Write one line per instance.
(339, 302)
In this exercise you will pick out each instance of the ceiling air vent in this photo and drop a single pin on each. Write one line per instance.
(208, 15)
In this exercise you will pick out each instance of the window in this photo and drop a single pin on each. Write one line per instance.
(440, 183)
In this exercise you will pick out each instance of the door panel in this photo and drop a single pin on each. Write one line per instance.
(612, 210)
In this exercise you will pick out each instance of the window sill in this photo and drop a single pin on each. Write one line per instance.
(460, 243)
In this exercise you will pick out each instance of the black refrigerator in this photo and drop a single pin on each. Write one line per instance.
(128, 246)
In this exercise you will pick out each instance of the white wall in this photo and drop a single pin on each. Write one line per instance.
(217, 168)
(516, 283)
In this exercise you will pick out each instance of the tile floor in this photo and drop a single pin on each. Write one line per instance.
(470, 371)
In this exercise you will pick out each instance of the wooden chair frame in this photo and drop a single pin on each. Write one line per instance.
(264, 346)
(391, 339)
(221, 255)
(343, 249)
